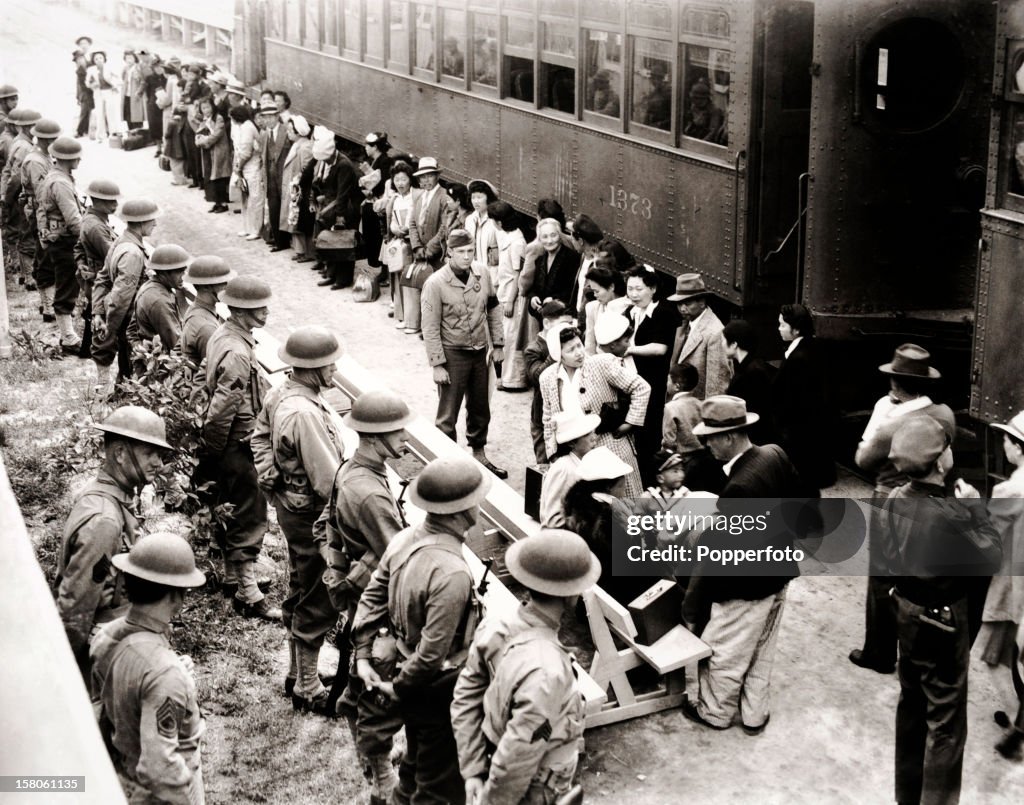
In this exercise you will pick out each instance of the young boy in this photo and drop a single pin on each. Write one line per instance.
(669, 475)
(537, 359)
(682, 412)
(174, 148)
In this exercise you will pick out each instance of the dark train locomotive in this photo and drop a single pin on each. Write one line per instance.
(850, 154)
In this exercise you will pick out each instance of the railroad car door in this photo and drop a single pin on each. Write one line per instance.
(780, 148)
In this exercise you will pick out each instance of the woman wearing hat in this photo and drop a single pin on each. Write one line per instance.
(377, 167)
(606, 283)
(592, 384)
(133, 91)
(215, 147)
(1002, 634)
(574, 433)
(396, 251)
(511, 246)
(296, 219)
(104, 86)
(247, 170)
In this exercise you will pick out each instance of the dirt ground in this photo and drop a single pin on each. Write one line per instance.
(831, 734)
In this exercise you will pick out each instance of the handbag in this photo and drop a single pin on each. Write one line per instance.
(165, 163)
(337, 244)
(397, 254)
(416, 274)
(366, 287)
(613, 414)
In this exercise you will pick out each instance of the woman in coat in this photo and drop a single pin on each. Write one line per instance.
(103, 84)
(155, 90)
(555, 270)
(133, 91)
(511, 245)
(608, 286)
(212, 139)
(295, 216)
(248, 167)
(396, 251)
(591, 384)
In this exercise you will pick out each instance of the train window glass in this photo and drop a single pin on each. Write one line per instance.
(652, 83)
(275, 19)
(331, 24)
(423, 41)
(603, 73)
(375, 30)
(562, 8)
(453, 51)
(311, 33)
(485, 49)
(398, 36)
(560, 86)
(603, 11)
(293, 21)
(559, 39)
(706, 94)
(353, 27)
(655, 14)
(1015, 186)
(705, 21)
(519, 32)
(558, 57)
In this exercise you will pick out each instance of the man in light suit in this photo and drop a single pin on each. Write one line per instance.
(275, 151)
(699, 341)
(426, 226)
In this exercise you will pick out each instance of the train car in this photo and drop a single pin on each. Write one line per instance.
(831, 152)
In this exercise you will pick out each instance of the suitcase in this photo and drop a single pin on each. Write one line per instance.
(657, 611)
(531, 496)
(134, 140)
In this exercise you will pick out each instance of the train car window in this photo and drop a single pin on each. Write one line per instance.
(453, 46)
(311, 33)
(423, 40)
(485, 49)
(1012, 145)
(558, 65)
(375, 30)
(275, 19)
(705, 21)
(603, 11)
(706, 78)
(398, 33)
(518, 72)
(652, 83)
(603, 73)
(353, 29)
(656, 14)
(562, 8)
(293, 21)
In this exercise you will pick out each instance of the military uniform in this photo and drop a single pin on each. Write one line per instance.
(10, 238)
(150, 711)
(113, 298)
(236, 391)
(517, 712)
(90, 252)
(100, 525)
(59, 219)
(157, 313)
(10, 190)
(34, 167)
(199, 323)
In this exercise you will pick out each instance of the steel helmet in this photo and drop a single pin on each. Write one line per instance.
(169, 257)
(65, 148)
(8, 91)
(139, 210)
(46, 129)
(20, 116)
(311, 347)
(379, 411)
(208, 269)
(162, 558)
(554, 561)
(138, 424)
(103, 189)
(449, 485)
(246, 293)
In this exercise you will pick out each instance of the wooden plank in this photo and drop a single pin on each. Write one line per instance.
(676, 649)
(616, 614)
(656, 704)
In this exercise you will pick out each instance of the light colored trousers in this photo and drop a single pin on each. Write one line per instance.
(252, 208)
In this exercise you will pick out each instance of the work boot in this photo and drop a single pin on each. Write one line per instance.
(309, 694)
(293, 668)
(1011, 746)
(498, 472)
(249, 601)
(69, 341)
(383, 777)
(46, 297)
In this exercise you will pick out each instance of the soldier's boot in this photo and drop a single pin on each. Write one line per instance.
(293, 668)
(69, 341)
(383, 777)
(46, 300)
(340, 681)
(249, 601)
(25, 264)
(1011, 746)
(106, 380)
(229, 581)
(310, 695)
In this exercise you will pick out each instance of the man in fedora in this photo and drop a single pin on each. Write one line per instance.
(699, 339)
(939, 547)
(742, 612)
(425, 231)
(421, 596)
(911, 378)
(518, 712)
(275, 152)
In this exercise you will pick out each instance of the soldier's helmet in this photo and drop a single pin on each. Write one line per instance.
(46, 129)
(139, 210)
(554, 561)
(8, 91)
(21, 116)
(379, 411)
(311, 347)
(247, 293)
(138, 424)
(448, 485)
(209, 269)
(103, 189)
(162, 558)
(65, 148)
(169, 257)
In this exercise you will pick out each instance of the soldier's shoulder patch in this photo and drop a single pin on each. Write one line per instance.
(101, 569)
(542, 733)
(167, 716)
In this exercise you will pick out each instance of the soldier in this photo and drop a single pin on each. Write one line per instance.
(34, 167)
(208, 274)
(160, 301)
(364, 517)
(113, 293)
(59, 220)
(91, 249)
(8, 100)
(102, 524)
(149, 710)
(420, 601)
(517, 712)
(236, 391)
(22, 121)
(297, 450)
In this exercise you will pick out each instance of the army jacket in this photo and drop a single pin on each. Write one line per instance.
(115, 286)
(422, 591)
(455, 314)
(149, 708)
(518, 693)
(100, 525)
(10, 177)
(235, 385)
(199, 323)
(296, 447)
(157, 313)
(94, 242)
(34, 168)
(58, 210)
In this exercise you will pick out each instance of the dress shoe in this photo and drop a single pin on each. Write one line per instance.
(384, 282)
(252, 237)
(690, 711)
(324, 282)
(295, 258)
(857, 658)
(220, 208)
(304, 259)
(756, 730)
(498, 472)
(259, 609)
(278, 248)
(338, 286)
(1002, 719)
